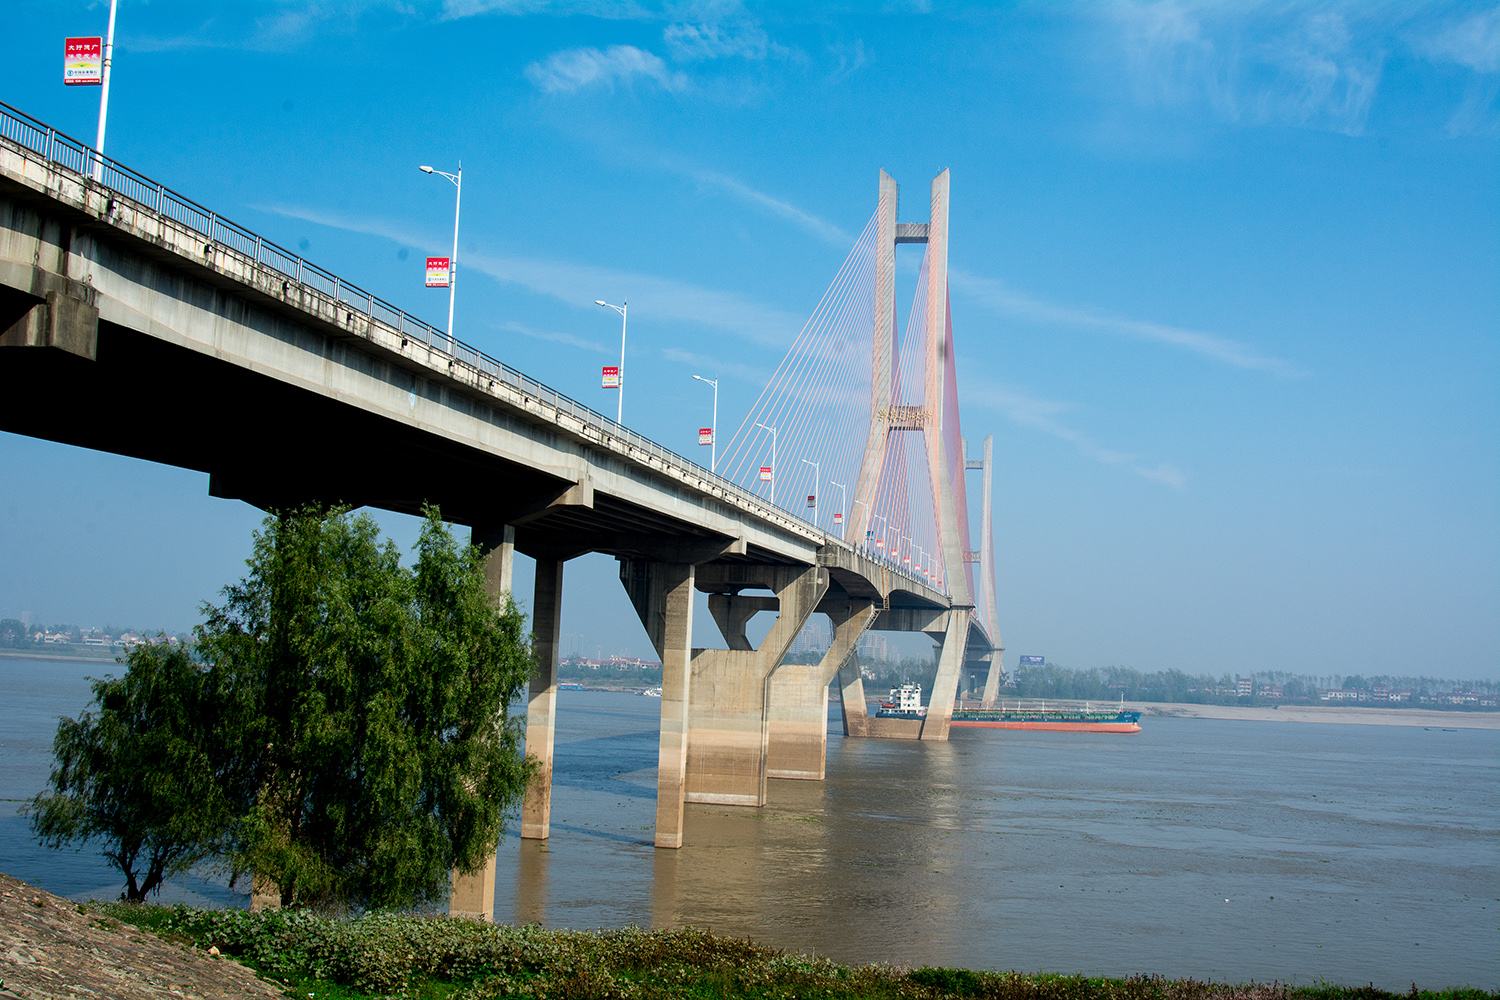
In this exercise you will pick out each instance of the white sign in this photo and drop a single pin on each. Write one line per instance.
(609, 377)
(765, 473)
(705, 435)
(437, 272)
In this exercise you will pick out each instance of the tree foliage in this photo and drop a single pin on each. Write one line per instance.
(359, 732)
(141, 772)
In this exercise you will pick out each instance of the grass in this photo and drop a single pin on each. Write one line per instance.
(386, 955)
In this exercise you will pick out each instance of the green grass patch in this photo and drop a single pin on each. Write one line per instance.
(387, 955)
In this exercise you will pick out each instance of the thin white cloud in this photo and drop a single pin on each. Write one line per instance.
(807, 221)
(1046, 416)
(619, 10)
(559, 337)
(652, 298)
(717, 366)
(1248, 64)
(737, 38)
(1472, 42)
(573, 70)
(1002, 299)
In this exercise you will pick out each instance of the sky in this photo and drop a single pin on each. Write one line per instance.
(1225, 278)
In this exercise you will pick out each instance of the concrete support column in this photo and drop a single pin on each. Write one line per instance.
(541, 706)
(945, 685)
(797, 746)
(663, 597)
(852, 698)
(992, 680)
(473, 893)
(731, 697)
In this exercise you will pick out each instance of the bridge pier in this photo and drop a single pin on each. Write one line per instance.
(730, 719)
(852, 704)
(541, 705)
(945, 686)
(662, 593)
(473, 893)
(798, 715)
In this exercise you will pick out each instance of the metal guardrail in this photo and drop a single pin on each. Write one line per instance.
(80, 158)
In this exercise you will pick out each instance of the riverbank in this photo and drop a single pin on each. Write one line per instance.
(69, 657)
(1331, 714)
(385, 955)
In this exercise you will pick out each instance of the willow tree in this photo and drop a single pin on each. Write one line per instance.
(141, 773)
(356, 709)
(368, 705)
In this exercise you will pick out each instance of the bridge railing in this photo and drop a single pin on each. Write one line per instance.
(80, 158)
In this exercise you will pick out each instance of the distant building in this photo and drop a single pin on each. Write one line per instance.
(1244, 687)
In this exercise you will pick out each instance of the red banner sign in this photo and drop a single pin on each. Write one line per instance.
(609, 377)
(437, 272)
(765, 473)
(838, 518)
(83, 62)
(705, 435)
(812, 501)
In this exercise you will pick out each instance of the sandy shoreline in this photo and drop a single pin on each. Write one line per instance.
(1338, 715)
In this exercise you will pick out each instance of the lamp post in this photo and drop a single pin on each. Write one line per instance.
(868, 519)
(881, 518)
(764, 427)
(457, 180)
(624, 310)
(841, 512)
(109, 58)
(817, 485)
(713, 426)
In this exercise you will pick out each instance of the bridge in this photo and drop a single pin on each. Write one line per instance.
(137, 321)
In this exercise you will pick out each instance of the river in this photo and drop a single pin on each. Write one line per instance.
(1216, 849)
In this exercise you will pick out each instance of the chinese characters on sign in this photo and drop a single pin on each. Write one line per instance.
(765, 473)
(609, 377)
(437, 272)
(1033, 661)
(705, 435)
(838, 518)
(812, 501)
(83, 61)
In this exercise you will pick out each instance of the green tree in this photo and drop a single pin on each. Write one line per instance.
(138, 773)
(366, 704)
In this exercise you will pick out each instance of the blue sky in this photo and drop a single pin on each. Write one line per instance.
(1226, 276)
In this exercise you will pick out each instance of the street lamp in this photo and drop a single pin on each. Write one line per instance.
(713, 426)
(457, 180)
(881, 518)
(109, 54)
(817, 485)
(764, 427)
(867, 520)
(623, 310)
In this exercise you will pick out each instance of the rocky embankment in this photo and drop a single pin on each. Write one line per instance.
(50, 948)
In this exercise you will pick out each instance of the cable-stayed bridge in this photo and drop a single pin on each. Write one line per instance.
(135, 320)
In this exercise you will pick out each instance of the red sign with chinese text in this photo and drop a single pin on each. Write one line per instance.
(83, 61)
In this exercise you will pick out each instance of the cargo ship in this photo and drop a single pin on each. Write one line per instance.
(905, 702)
(1044, 719)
